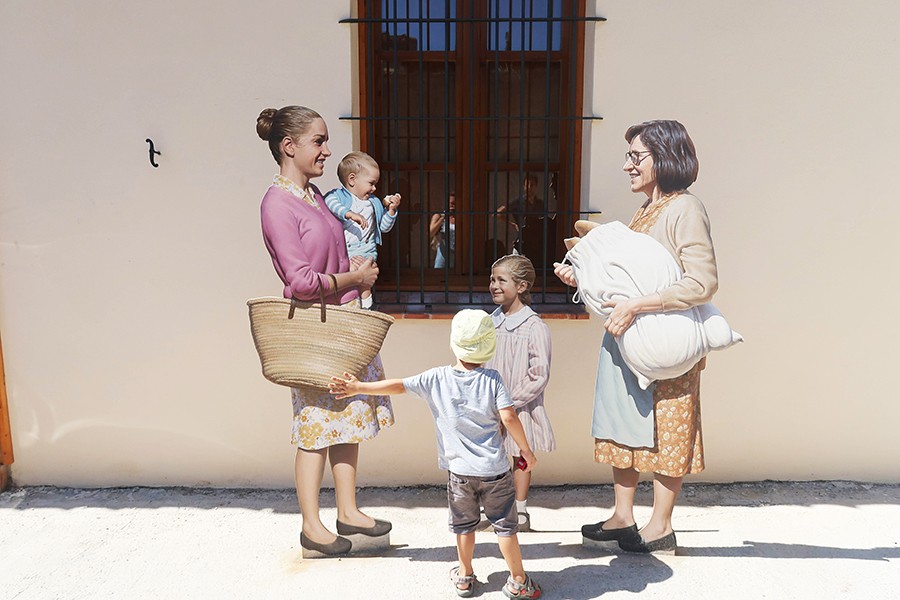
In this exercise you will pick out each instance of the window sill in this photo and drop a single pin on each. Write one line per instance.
(577, 312)
(443, 305)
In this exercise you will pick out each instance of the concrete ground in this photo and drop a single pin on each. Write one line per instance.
(792, 541)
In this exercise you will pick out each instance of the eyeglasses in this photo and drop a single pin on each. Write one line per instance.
(635, 157)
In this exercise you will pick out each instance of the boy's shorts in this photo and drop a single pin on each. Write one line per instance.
(467, 494)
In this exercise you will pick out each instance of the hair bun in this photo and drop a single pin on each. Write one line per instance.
(264, 123)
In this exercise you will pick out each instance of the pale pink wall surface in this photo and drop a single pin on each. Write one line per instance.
(122, 287)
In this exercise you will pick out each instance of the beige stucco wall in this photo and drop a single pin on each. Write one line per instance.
(122, 287)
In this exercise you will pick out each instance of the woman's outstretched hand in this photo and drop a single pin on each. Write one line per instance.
(566, 274)
(343, 387)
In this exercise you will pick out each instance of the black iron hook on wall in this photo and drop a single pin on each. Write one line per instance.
(152, 152)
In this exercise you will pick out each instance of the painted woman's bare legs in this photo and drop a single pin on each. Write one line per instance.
(309, 468)
(344, 458)
(665, 494)
(624, 486)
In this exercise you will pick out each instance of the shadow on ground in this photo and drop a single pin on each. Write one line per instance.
(764, 493)
(752, 549)
(629, 572)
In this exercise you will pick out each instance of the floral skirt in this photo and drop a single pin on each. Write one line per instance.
(321, 421)
(679, 439)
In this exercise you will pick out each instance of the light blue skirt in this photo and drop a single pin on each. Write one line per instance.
(623, 412)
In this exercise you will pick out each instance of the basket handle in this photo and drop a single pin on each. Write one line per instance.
(321, 297)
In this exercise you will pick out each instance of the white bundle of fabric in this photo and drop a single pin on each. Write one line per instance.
(612, 262)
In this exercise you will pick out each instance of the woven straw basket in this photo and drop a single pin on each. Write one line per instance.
(303, 344)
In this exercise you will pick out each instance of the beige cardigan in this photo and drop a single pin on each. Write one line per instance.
(683, 228)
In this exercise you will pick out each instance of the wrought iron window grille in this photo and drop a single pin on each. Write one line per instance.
(517, 121)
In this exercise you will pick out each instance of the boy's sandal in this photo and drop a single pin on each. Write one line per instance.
(468, 580)
(514, 589)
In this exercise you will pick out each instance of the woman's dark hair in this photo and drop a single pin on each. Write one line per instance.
(291, 121)
(674, 156)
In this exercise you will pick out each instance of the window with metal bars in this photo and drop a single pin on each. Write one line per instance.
(473, 110)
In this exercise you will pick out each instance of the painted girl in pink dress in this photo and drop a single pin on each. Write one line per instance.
(523, 360)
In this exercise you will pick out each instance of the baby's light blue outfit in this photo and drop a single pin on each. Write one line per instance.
(360, 242)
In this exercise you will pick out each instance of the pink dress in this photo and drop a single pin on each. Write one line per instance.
(306, 242)
(523, 361)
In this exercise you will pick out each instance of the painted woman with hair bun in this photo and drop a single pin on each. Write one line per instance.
(656, 430)
(306, 243)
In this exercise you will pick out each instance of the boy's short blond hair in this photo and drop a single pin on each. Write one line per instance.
(354, 163)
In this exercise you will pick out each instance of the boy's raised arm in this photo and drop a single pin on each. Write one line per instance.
(349, 385)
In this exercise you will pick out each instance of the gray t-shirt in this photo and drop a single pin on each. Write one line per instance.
(466, 407)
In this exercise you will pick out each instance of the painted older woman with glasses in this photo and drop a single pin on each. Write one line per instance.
(656, 430)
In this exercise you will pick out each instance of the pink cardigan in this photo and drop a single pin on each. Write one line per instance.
(305, 243)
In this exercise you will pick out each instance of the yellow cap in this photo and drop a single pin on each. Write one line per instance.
(472, 336)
